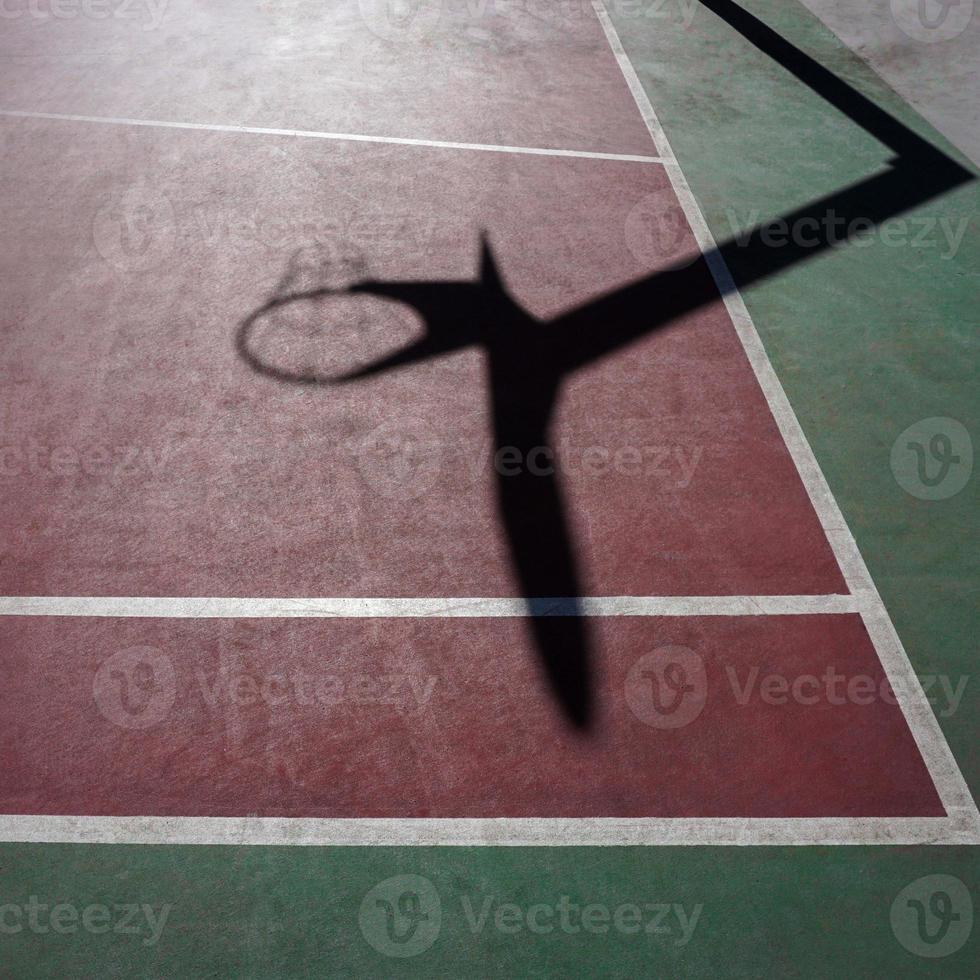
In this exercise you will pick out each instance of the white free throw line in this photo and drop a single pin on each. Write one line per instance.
(347, 137)
(942, 766)
(245, 608)
(957, 828)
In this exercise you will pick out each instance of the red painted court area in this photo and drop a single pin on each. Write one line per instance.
(221, 482)
(144, 457)
(447, 718)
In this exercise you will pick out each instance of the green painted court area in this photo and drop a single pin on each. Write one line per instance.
(675, 186)
(294, 912)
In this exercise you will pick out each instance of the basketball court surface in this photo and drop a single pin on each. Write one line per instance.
(410, 464)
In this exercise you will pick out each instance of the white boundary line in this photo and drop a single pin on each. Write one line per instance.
(344, 137)
(946, 775)
(217, 608)
(504, 831)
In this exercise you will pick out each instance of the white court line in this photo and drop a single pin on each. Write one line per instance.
(415, 608)
(949, 781)
(497, 832)
(345, 137)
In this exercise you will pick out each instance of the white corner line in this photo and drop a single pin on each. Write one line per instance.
(949, 782)
(190, 607)
(341, 137)
(956, 828)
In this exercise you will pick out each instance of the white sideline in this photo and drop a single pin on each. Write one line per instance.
(245, 608)
(498, 832)
(343, 137)
(942, 766)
